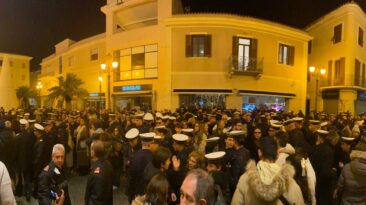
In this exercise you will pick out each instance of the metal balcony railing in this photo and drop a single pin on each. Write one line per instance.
(245, 66)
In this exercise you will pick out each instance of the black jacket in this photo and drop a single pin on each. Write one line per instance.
(99, 189)
(51, 176)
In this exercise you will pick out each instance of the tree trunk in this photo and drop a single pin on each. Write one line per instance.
(68, 104)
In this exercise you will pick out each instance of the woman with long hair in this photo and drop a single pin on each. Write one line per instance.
(156, 192)
(200, 138)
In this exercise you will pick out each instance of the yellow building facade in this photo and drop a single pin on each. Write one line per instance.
(82, 58)
(338, 47)
(14, 73)
(168, 58)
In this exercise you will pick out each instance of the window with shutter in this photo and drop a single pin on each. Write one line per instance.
(357, 72)
(286, 54)
(360, 36)
(244, 53)
(198, 45)
(330, 72)
(337, 36)
(363, 75)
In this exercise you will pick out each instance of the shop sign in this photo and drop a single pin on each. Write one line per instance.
(330, 94)
(361, 95)
(96, 94)
(132, 88)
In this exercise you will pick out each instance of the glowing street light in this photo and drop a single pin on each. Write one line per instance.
(106, 69)
(318, 72)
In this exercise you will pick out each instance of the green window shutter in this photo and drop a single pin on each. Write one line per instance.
(291, 55)
(330, 72)
(235, 52)
(253, 53)
(342, 70)
(189, 52)
(208, 45)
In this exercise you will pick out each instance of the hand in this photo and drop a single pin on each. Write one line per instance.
(60, 199)
(174, 197)
(176, 163)
(340, 164)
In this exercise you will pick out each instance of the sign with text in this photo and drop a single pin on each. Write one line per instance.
(132, 88)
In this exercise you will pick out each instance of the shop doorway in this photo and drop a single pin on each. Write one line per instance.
(141, 102)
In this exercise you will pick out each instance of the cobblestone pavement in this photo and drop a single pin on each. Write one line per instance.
(77, 186)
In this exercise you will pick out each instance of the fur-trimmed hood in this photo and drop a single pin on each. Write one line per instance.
(139, 200)
(358, 154)
(271, 192)
(358, 163)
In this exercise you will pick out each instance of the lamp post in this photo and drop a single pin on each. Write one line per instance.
(100, 78)
(106, 69)
(318, 72)
(39, 87)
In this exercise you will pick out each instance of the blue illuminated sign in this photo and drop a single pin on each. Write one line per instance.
(131, 88)
(93, 94)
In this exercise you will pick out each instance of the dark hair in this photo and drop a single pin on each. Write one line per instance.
(98, 147)
(160, 156)
(97, 124)
(204, 186)
(157, 190)
(282, 138)
(268, 147)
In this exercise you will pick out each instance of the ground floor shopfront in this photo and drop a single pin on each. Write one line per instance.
(234, 99)
(351, 99)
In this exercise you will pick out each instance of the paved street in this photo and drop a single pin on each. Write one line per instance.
(77, 186)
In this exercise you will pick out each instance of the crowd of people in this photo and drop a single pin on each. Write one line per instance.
(187, 156)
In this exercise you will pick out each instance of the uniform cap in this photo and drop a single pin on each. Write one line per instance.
(158, 115)
(298, 119)
(132, 133)
(276, 125)
(172, 118)
(213, 139)
(157, 137)
(148, 116)
(147, 136)
(27, 114)
(112, 114)
(236, 132)
(180, 137)
(23, 121)
(187, 130)
(139, 115)
(38, 127)
(322, 132)
(314, 122)
(323, 124)
(348, 140)
(287, 122)
(215, 155)
(165, 117)
(31, 120)
(160, 127)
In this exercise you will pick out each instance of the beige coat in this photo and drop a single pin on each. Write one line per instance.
(6, 191)
(251, 190)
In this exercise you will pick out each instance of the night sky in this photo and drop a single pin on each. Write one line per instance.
(33, 27)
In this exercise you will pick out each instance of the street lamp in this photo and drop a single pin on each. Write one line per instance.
(105, 68)
(318, 72)
(39, 87)
(100, 78)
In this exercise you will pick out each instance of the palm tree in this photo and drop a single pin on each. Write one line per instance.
(23, 94)
(67, 89)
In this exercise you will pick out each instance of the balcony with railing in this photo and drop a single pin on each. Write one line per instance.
(245, 66)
